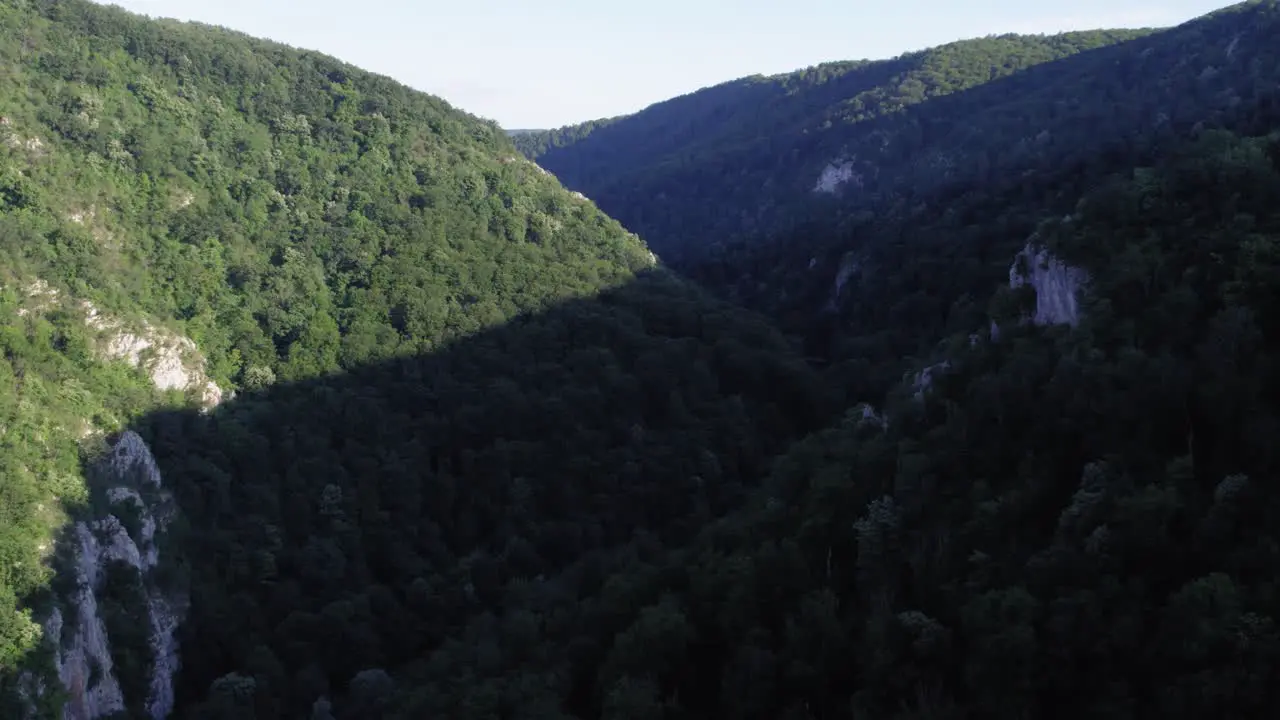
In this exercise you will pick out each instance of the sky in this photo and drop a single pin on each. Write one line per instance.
(549, 63)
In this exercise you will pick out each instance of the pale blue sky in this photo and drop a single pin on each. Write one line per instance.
(546, 63)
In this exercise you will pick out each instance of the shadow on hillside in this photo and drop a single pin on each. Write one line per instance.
(763, 156)
(357, 521)
(704, 116)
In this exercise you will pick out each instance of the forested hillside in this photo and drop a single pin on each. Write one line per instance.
(866, 289)
(307, 222)
(408, 519)
(1067, 522)
(749, 161)
(759, 145)
(485, 459)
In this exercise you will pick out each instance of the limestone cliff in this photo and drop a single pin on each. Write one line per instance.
(171, 361)
(1056, 285)
(923, 380)
(836, 174)
(124, 535)
(120, 537)
(850, 267)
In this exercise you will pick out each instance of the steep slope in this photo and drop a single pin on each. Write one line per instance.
(485, 460)
(1069, 515)
(348, 535)
(229, 216)
(736, 158)
(294, 213)
(74, 376)
(866, 290)
(747, 162)
(1068, 520)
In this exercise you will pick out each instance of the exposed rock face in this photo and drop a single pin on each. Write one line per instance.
(835, 175)
(80, 217)
(133, 490)
(923, 380)
(84, 662)
(864, 413)
(850, 265)
(33, 146)
(1056, 285)
(172, 361)
(87, 697)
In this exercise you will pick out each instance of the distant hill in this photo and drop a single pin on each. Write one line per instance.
(937, 198)
(744, 156)
(746, 160)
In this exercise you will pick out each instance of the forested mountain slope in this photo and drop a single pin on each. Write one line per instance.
(306, 223)
(750, 159)
(1068, 521)
(396, 523)
(485, 460)
(868, 289)
(308, 215)
(759, 142)
(865, 291)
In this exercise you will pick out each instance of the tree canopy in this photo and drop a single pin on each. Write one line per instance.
(487, 459)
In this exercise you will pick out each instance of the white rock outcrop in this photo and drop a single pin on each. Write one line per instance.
(84, 662)
(173, 362)
(1056, 285)
(836, 174)
(80, 217)
(83, 659)
(850, 265)
(923, 380)
(10, 136)
(864, 413)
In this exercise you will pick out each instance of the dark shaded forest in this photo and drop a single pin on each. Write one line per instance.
(406, 517)
(487, 460)
(737, 164)
(563, 518)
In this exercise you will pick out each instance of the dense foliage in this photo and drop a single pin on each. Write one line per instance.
(534, 143)
(487, 462)
(49, 394)
(296, 216)
(867, 289)
(290, 211)
(760, 143)
(739, 163)
(1071, 522)
(368, 522)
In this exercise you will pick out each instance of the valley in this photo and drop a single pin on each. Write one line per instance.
(932, 387)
